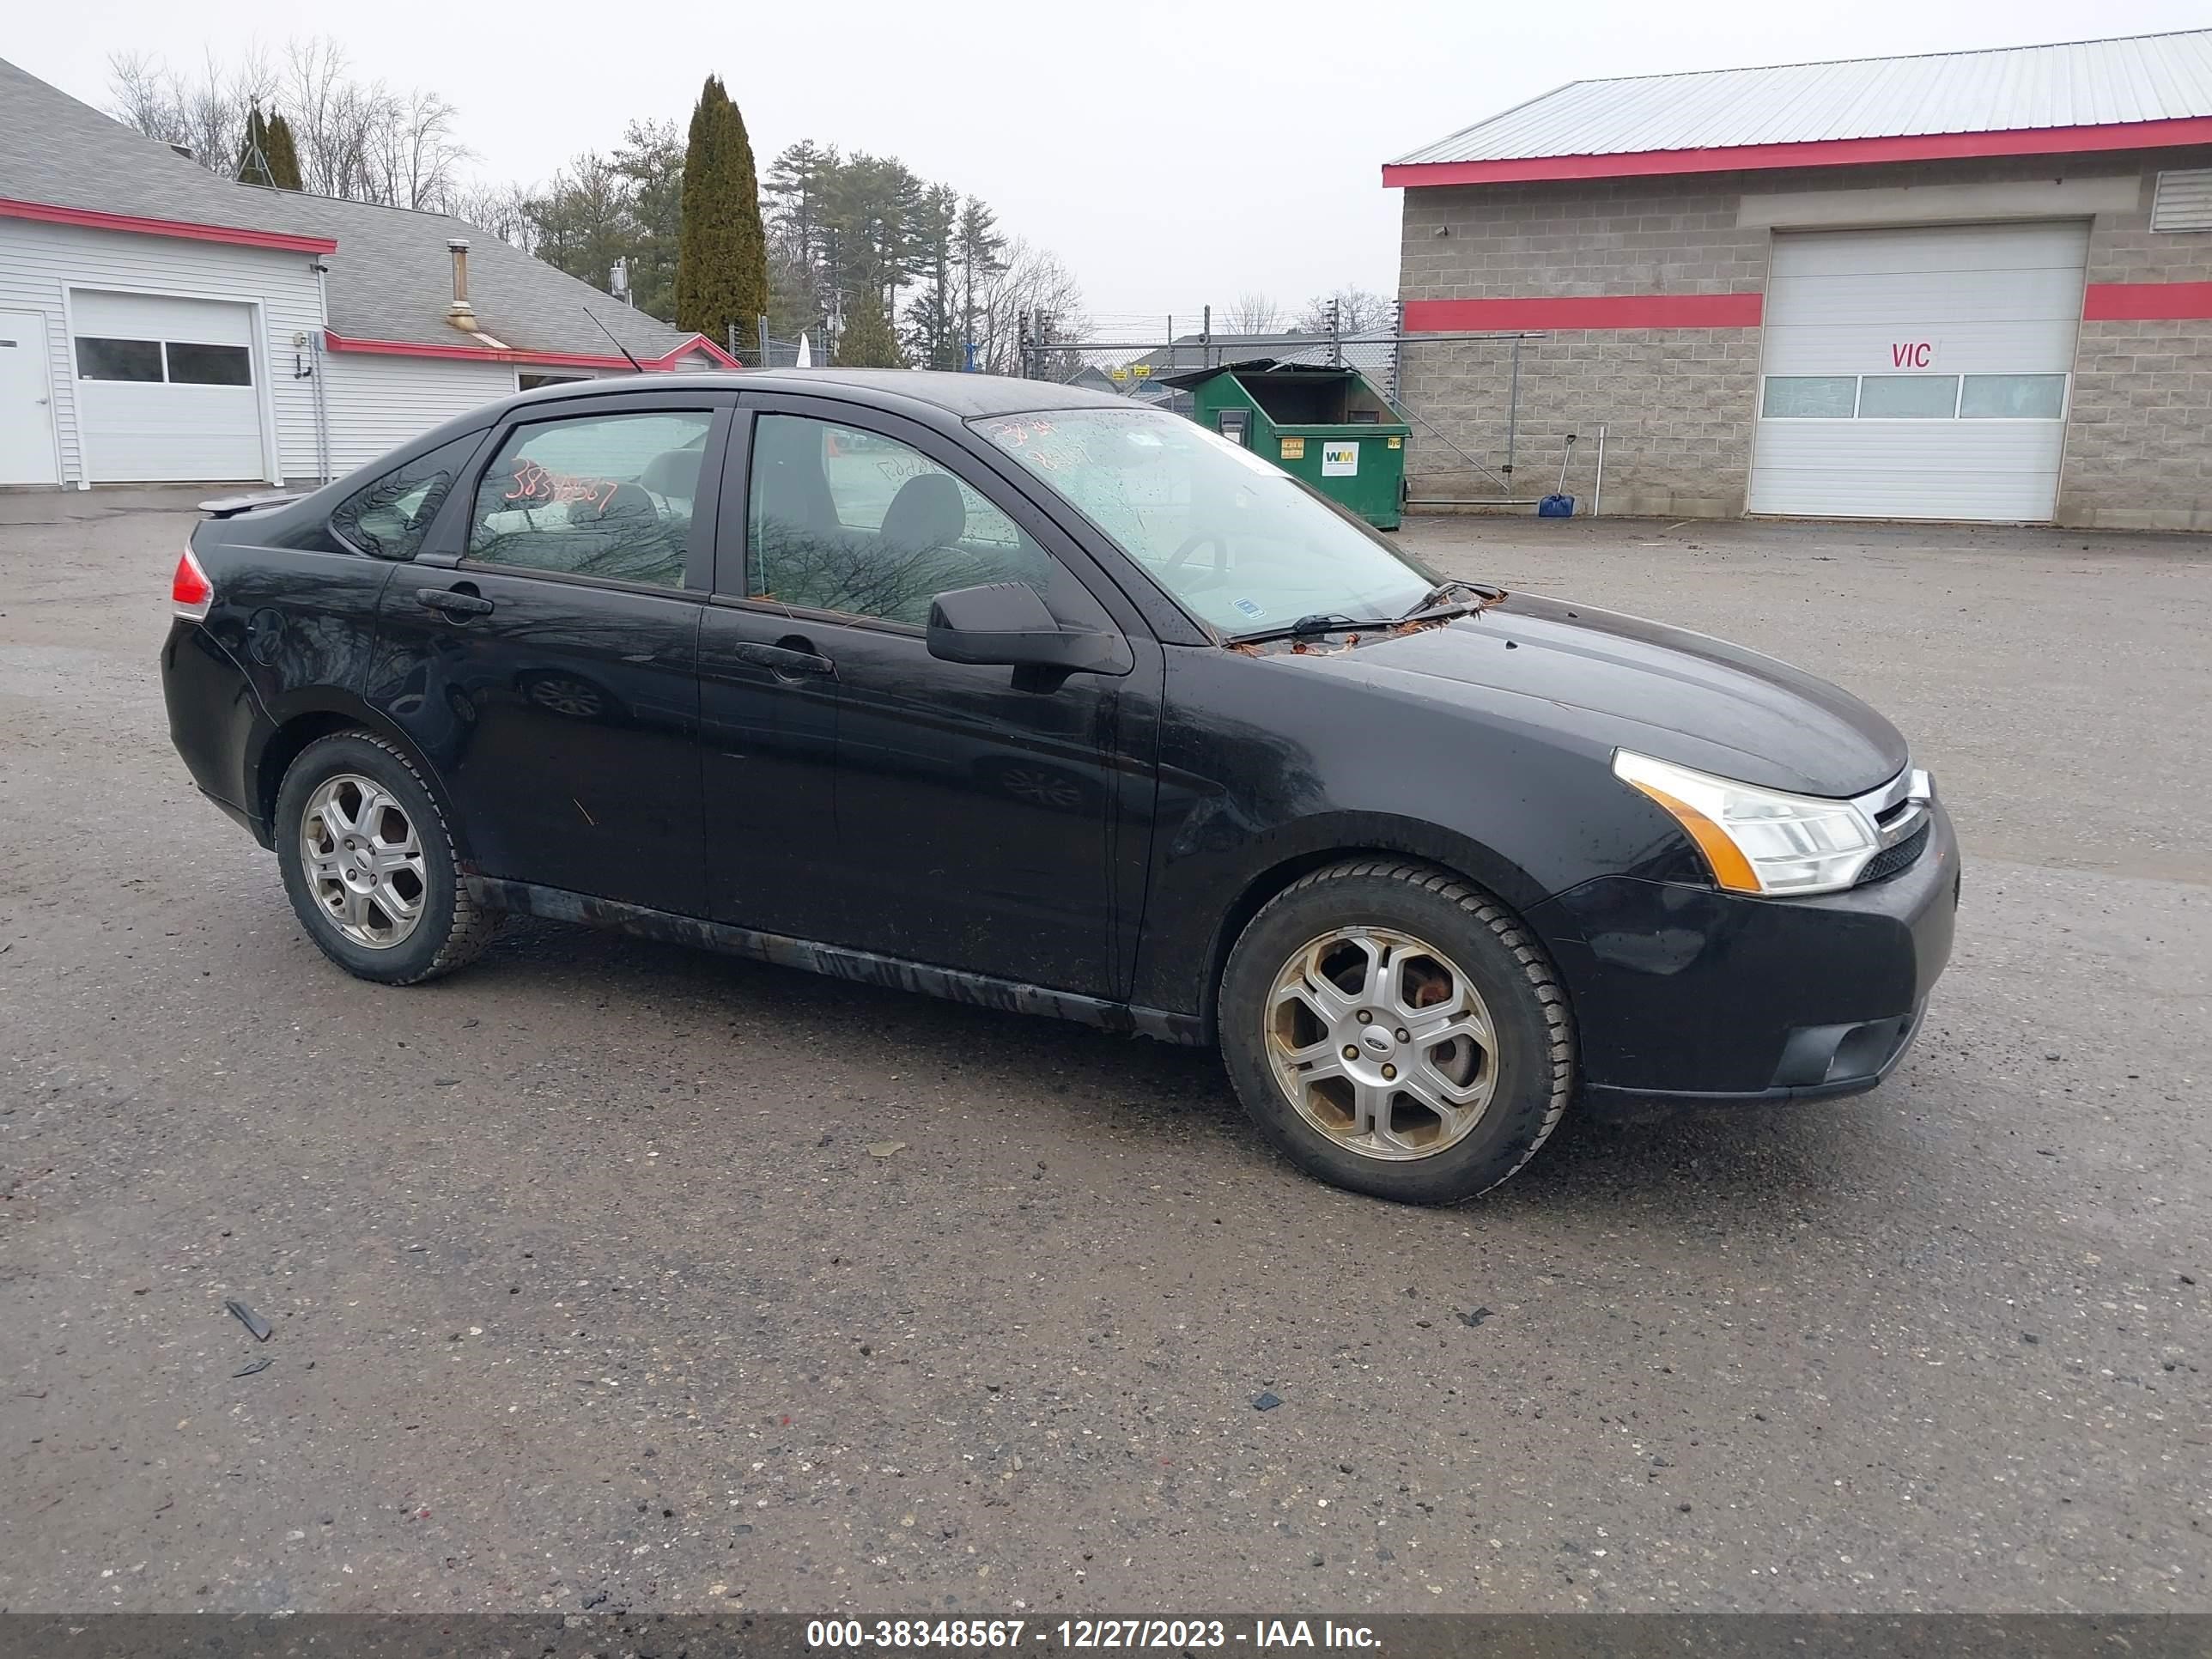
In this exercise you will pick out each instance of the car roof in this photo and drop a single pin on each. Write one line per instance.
(963, 397)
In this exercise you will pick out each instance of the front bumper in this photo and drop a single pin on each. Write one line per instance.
(1687, 992)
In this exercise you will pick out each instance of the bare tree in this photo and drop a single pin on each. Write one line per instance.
(506, 211)
(356, 139)
(1032, 280)
(1358, 309)
(1251, 312)
(207, 115)
(413, 157)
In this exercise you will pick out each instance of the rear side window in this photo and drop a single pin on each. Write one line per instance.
(390, 518)
(611, 496)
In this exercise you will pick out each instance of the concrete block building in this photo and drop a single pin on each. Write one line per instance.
(1965, 286)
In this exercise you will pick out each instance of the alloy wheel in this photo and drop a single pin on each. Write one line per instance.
(363, 859)
(1382, 1043)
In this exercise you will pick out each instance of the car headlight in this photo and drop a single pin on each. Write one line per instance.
(1759, 841)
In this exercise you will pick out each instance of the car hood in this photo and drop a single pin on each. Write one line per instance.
(1664, 691)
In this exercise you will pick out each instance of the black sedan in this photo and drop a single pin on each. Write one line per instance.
(1026, 696)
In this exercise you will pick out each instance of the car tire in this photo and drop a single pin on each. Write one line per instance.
(386, 903)
(1468, 1019)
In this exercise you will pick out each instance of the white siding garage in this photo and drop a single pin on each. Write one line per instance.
(168, 389)
(1918, 373)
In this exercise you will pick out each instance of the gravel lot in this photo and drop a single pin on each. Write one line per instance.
(588, 1291)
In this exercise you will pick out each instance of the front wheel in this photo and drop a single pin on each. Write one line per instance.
(370, 865)
(1393, 1029)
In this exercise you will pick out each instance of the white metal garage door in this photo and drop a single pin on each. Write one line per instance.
(165, 388)
(1917, 373)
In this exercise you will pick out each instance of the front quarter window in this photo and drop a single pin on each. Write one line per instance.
(1239, 544)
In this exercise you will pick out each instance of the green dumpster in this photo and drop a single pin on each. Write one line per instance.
(1327, 426)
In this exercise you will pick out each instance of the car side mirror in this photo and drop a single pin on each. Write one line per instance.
(1007, 625)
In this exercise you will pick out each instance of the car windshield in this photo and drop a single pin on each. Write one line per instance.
(1240, 543)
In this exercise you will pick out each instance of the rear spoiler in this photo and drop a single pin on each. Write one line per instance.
(229, 506)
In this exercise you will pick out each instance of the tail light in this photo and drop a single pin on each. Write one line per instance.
(190, 592)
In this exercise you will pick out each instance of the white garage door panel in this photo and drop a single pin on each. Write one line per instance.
(160, 317)
(1970, 300)
(1931, 296)
(1933, 248)
(136, 433)
(1960, 348)
(1998, 469)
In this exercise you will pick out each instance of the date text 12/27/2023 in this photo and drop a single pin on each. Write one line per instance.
(1086, 1634)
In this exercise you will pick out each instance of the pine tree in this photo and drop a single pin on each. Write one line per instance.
(980, 252)
(932, 316)
(650, 163)
(868, 341)
(721, 263)
(253, 153)
(283, 152)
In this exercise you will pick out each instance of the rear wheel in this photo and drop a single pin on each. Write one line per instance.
(370, 865)
(1393, 1029)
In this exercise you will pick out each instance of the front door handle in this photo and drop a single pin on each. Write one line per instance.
(788, 660)
(453, 602)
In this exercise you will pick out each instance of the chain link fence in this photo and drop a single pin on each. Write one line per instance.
(1461, 391)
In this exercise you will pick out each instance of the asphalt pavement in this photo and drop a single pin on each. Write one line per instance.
(614, 1275)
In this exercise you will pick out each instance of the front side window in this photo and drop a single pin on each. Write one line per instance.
(611, 497)
(1237, 541)
(846, 520)
(390, 517)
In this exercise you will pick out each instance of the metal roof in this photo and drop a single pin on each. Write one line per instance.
(2147, 77)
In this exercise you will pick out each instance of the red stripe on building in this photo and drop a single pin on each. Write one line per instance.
(336, 342)
(1817, 153)
(1590, 311)
(2114, 302)
(237, 235)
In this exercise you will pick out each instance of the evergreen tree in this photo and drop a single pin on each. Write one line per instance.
(874, 203)
(980, 252)
(650, 162)
(721, 263)
(582, 222)
(933, 318)
(868, 341)
(283, 152)
(253, 153)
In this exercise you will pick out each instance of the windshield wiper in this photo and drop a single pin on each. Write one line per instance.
(1443, 591)
(1434, 606)
(1329, 622)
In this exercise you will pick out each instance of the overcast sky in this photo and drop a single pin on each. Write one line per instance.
(1173, 153)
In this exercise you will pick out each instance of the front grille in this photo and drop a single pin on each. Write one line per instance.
(1891, 860)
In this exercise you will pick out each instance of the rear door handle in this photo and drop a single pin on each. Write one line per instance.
(454, 602)
(783, 659)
